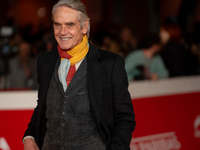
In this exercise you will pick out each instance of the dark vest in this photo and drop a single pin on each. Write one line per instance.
(70, 125)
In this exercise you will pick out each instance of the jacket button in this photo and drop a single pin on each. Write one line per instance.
(63, 113)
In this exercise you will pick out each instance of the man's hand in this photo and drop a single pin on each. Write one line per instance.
(154, 77)
(29, 144)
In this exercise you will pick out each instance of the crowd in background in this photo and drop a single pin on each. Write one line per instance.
(167, 53)
(19, 51)
(158, 55)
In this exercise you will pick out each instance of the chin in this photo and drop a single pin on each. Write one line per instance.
(65, 47)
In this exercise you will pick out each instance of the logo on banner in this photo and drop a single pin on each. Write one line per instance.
(197, 127)
(164, 141)
(3, 144)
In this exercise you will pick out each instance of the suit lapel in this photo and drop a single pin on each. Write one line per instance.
(94, 82)
(78, 76)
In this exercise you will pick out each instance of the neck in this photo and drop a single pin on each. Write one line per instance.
(148, 53)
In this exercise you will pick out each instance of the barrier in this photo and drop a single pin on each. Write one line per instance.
(167, 115)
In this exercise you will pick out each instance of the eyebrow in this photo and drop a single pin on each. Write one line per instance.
(70, 23)
(55, 22)
(67, 23)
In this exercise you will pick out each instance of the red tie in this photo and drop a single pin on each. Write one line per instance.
(71, 72)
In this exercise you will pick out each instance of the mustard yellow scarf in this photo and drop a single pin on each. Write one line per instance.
(77, 53)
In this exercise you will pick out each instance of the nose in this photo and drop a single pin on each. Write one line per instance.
(63, 30)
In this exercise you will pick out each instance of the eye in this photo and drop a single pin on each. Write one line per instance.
(70, 24)
(56, 24)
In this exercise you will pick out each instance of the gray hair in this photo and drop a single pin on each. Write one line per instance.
(76, 5)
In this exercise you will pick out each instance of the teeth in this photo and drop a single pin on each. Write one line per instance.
(65, 39)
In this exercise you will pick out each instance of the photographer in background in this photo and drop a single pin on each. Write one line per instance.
(9, 41)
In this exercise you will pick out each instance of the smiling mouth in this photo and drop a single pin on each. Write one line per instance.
(65, 39)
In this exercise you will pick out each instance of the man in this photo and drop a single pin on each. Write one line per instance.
(146, 63)
(92, 110)
(21, 73)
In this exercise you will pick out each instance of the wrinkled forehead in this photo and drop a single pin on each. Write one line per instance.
(64, 11)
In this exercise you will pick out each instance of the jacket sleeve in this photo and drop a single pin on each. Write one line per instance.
(124, 117)
(31, 130)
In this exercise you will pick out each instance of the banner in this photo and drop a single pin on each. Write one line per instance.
(167, 123)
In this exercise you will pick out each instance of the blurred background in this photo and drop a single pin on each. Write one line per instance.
(119, 26)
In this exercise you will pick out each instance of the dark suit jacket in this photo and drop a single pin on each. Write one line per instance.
(110, 100)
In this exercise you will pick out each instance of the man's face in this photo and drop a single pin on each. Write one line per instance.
(164, 36)
(24, 49)
(67, 30)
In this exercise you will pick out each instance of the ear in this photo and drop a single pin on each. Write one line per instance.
(85, 27)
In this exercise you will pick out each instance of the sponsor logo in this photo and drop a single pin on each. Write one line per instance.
(164, 141)
(3, 144)
(197, 127)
